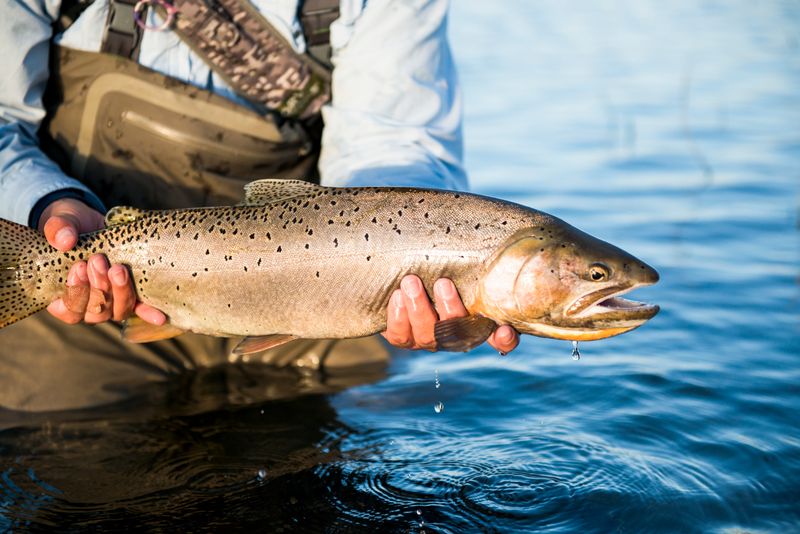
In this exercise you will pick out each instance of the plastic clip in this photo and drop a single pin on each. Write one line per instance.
(141, 6)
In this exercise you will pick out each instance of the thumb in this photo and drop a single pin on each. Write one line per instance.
(61, 231)
(65, 219)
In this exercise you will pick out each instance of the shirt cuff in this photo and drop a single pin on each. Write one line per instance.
(28, 187)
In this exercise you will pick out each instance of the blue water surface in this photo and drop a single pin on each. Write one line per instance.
(671, 129)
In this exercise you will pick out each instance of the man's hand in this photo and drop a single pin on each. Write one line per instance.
(411, 316)
(95, 291)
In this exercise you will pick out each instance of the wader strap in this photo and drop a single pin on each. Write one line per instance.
(238, 43)
(316, 17)
(122, 35)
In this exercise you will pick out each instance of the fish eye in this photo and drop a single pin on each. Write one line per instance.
(599, 272)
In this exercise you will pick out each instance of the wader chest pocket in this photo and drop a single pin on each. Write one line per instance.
(143, 144)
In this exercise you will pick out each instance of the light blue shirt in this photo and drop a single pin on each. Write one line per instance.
(395, 118)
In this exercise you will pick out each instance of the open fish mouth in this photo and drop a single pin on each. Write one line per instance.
(606, 305)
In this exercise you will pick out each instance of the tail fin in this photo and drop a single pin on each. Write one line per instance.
(23, 288)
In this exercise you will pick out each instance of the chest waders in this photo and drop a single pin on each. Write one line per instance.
(137, 137)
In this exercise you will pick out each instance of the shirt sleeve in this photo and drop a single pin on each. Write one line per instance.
(26, 174)
(395, 116)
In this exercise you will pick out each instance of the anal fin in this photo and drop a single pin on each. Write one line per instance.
(253, 344)
(461, 334)
(135, 330)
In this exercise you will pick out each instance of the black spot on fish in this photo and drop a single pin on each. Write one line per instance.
(317, 274)
(335, 242)
(374, 220)
(197, 235)
(306, 246)
(330, 221)
(208, 252)
(447, 231)
(279, 249)
(194, 274)
(477, 226)
(252, 236)
(369, 257)
(366, 236)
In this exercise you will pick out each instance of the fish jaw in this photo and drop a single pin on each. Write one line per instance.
(607, 315)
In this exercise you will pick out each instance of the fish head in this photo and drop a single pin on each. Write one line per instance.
(556, 281)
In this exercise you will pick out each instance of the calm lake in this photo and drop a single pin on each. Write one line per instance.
(671, 129)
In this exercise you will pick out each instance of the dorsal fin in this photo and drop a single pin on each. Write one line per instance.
(261, 192)
(123, 215)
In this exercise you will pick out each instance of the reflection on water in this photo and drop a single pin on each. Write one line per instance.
(670, 129)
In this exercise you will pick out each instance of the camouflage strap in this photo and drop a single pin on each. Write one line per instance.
(240, 45)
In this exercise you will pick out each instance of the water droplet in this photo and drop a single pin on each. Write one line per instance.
(438, 407)
(262, 474)
(576, 354)
(436, 378)
(501, 353)
(419, 512)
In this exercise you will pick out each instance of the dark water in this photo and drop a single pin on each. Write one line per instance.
(672, 131)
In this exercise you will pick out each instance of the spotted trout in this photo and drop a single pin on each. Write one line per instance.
(300, 260)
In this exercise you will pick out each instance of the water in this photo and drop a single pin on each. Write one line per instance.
(670, 129)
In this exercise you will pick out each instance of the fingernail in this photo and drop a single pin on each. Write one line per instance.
(72, 276)
(118, 276)
(99, 264)
(65, 235)
(504, 335)
(81, 273)
(397, 299)
(445, 288)
(411, 286)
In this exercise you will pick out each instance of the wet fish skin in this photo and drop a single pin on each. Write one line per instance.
(318, 262)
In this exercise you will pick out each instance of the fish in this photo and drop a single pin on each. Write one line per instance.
(300, 260)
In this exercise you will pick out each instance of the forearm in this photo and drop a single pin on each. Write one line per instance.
(27, 175)
(29, 179)
(396, 113)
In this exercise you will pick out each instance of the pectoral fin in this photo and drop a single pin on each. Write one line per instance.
(253, 344)
(463, 333)
(135, 330)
